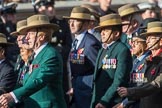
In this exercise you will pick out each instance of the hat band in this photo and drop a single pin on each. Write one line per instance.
(155, 29)
(3, 40)
(111, 22)
(128, 11)
(37, 22)
(80, 15)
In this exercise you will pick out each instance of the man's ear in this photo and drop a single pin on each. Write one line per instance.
(42, 36)
(161, 42)
(116, 33)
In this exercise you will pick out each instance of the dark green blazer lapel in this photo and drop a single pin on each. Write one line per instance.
(37, 60)
(109, 52)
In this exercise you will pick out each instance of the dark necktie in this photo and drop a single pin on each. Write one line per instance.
(25, 68)
(74, 44)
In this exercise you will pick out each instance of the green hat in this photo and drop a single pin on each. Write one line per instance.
(153, 28)
(128, 9)
(37, 21)
(81, 13)
(20, 25)
(109, 20)
(3, 40)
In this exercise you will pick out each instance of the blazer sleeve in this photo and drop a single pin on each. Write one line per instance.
(146, 89)
(8, 79)
(49, 70)
(124, 66)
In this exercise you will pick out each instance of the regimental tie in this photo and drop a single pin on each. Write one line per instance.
(25, 69)
(74, 44)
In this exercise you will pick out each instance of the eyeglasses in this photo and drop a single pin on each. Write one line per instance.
(135, 42)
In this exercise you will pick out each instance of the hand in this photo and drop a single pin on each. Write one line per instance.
(122, 91)
(70, 92)
(119, 105)
(99, 105)
(5, 99)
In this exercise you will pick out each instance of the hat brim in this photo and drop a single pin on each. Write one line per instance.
(54, 27)
(7, 44)
(100, 27)
(150, 33)
(14, 33)
(67, 17)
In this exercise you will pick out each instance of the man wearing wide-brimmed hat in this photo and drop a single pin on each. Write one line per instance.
(94, 20)
(132, 20)
(113, 64)
(42, 84)
(7, 74)
(150, 93)
(82, 56)
(25, 52)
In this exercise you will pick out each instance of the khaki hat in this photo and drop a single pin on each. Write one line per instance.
(93, 10)
(20, 25)
(128, 9)
(81, 13)
(3, 40)
(37, 21)
(153, 28)
(109, 20)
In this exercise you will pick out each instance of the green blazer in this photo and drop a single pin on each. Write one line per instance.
(116, 74)
(42, 85)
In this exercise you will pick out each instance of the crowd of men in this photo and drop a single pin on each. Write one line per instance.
(93, 58)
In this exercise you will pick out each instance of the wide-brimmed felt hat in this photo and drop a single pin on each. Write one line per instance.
(109, 20)
(93, 11)
(3, 40)
(19, 26)
(38, 21)
(128, 9)
(81, 13)
(153, 28)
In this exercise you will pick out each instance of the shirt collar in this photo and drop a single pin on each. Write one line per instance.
(40, 49)
(105, 45)
(1, 61)
(80, 38)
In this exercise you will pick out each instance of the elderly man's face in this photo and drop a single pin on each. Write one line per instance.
(138, 46)
(151, 40)
(75, 26)
(106, 35)
(30, 37)
(149, 14)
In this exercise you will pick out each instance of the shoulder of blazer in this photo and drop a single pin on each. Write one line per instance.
(91, 39)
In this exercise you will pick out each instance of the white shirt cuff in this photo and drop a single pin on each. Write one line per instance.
(15, 99)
